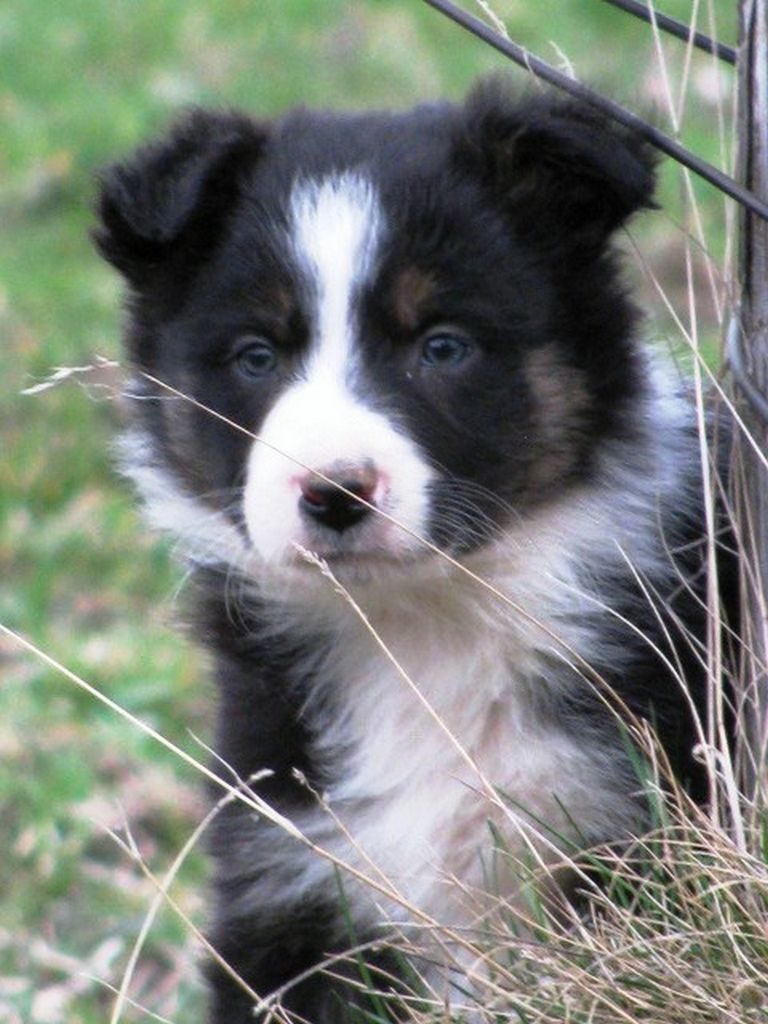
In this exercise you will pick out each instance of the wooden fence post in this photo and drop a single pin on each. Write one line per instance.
(749, 350)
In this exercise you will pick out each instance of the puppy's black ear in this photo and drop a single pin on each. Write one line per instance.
(174, 193)
(557, 165)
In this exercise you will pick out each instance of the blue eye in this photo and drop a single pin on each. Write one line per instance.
(445, 349)
(256, 358)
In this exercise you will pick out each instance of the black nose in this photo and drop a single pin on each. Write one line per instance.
(334, 503)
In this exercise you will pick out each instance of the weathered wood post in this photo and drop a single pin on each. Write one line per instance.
(749, 358)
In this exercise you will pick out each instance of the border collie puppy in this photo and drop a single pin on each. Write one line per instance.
(443, 510)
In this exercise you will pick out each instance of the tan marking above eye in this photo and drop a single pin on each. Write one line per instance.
(412, 291)
(276, 307)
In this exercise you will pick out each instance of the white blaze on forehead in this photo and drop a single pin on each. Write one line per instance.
(336, 228)
(320, 420)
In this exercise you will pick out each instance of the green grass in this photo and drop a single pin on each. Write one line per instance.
(83, 82)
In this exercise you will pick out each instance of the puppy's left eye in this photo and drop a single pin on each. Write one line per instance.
(445, 348)
(256, 357)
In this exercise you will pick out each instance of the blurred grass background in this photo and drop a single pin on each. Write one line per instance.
(81, 82)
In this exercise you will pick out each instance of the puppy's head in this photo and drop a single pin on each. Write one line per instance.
(405, 325)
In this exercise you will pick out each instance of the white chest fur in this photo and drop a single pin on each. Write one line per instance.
(444, 734)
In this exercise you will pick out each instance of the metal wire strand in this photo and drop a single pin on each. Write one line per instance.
(646, 12)
(733, 353)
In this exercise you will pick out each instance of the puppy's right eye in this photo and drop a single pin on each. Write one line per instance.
(256, 358)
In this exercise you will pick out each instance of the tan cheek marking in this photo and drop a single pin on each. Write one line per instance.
(561, 403)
